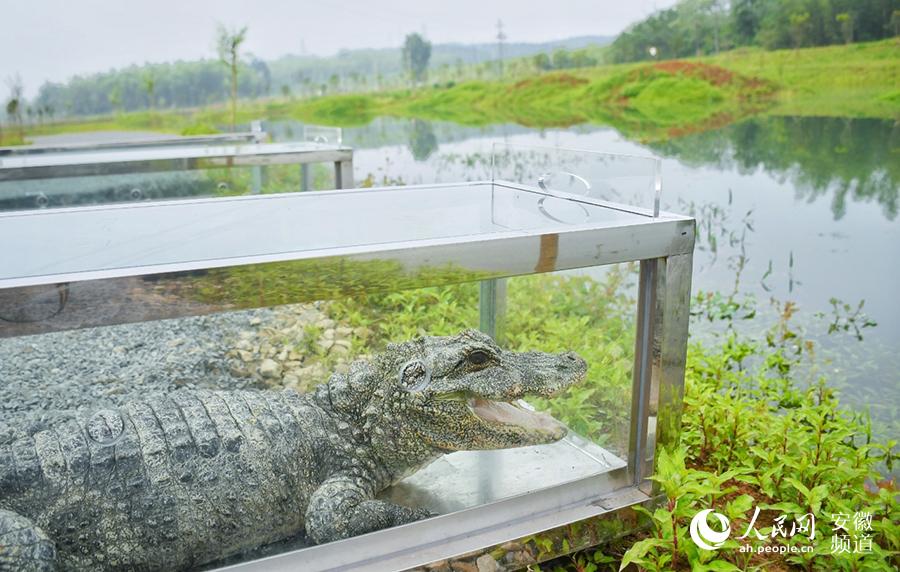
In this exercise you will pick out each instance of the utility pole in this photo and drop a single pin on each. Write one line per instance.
(501, 37)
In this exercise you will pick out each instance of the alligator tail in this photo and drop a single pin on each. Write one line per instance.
(23, 546)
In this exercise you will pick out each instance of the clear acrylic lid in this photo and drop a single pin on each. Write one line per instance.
(631, 180)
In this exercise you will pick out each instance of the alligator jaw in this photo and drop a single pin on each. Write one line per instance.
(516, 413)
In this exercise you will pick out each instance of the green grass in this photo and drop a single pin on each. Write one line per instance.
(658, 101)
(644, 101)
(857, 80)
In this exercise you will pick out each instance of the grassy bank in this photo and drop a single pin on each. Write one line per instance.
(648, 101)
(857, 80)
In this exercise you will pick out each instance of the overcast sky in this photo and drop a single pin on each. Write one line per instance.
(55, 39)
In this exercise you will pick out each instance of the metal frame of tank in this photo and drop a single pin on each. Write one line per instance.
(175, 155)
(664, 246)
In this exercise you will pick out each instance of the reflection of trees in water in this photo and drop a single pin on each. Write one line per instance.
(853, 159)
(422, 141)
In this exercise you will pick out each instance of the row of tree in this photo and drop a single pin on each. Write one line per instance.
(696, 27)
(564, 59)
(179, 84)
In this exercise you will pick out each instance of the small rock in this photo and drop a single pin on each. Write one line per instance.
(463, 567)
(255, 321)
(238, 371)
(325, 344)
(270, 369)
(343, 331)
(328, 334)
(486, 563)
(245, 355)
(439, 566)
(291, 381)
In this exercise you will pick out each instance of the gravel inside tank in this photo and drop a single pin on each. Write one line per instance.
(48, 378)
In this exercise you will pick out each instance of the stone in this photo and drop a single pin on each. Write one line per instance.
(325, 344)
(461, 566)
(239, 371)
(486, 563)
(328, 334)
(270, 369)
(255, 321)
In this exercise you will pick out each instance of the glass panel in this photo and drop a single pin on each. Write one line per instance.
(591, 312)
(391, 385)
(626, 179)
(322, 134)
(90, 376)
(96, 176)
(179, 232)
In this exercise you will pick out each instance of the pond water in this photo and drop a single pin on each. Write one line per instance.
(789, 209)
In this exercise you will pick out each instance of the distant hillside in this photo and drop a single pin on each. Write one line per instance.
(186, 84)
(295, 71)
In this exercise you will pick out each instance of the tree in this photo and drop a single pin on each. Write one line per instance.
(228, 45)
(115, 97)
(149, 83)
(745, 20)
(416, 54)
(799, 26)
(845, 19)
(15, 102)
(542, 62)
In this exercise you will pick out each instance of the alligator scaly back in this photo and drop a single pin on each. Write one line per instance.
(132, 488)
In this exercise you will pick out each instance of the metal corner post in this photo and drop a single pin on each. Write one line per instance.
(660, 352)
(492, 308)
(343, 174)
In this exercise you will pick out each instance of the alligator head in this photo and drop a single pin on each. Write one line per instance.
(434, 395)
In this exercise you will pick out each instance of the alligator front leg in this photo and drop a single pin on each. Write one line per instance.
(344, 506)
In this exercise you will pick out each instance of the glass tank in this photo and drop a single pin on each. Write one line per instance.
(185, 167)
(359, 379)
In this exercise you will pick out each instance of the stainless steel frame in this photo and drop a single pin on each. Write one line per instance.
(163, 141)
(663, 243)
(176, 158)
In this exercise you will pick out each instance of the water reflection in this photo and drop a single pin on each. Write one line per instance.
(851, 160)
(422, 141)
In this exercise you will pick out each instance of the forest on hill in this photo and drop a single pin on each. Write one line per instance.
(702, 27)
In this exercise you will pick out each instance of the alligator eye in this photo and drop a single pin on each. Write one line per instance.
(478, 357)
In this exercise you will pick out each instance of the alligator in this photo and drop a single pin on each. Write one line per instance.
(179, 480)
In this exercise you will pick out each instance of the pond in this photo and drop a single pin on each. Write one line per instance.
(789, 209)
